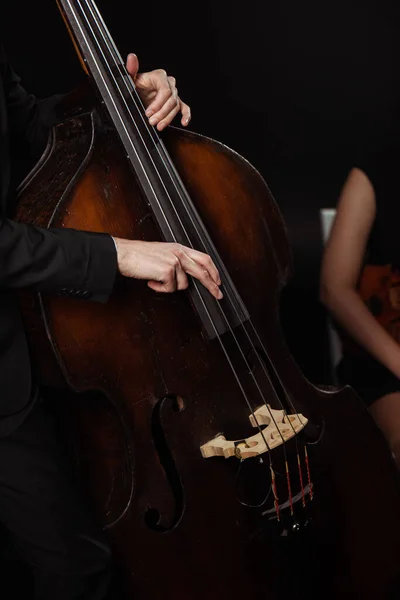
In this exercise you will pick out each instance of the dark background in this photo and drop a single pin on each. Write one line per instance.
(298, 88)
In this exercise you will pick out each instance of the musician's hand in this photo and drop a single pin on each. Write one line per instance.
(159, 95)
(166, 266)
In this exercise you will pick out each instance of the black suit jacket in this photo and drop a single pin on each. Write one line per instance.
(46, 260)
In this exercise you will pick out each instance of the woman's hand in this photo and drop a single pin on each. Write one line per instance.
(159, 95)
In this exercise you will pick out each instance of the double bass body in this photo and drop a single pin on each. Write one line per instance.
(150, 388)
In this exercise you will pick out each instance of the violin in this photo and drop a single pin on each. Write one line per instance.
(216, 468)
(379, 287)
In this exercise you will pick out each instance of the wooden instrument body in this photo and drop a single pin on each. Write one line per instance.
(164, 389)
(379, 287)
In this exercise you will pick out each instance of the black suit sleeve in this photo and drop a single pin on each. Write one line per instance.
(29, 118)
(75, 263)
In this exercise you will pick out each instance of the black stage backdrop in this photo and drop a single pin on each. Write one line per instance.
(295, 87)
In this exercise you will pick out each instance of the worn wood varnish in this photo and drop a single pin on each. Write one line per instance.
(149, 389)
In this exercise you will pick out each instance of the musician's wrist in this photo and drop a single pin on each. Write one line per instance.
(123, 248)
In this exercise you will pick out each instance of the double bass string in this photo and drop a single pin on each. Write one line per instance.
(220, 307)
(116, 54)
(172, 233)
(223, 348)
(116, 64)
(194, 225)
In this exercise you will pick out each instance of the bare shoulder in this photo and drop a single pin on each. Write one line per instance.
(347, 242)
(357, 205)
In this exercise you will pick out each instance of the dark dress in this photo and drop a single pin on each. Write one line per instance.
(379, 282)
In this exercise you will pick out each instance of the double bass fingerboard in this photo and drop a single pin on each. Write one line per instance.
(164, 190)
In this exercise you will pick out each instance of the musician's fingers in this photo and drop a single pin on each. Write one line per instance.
(186, 113)
(202, 274)
(132, 65)
(182, 281)
(160, 286)
(164, 122)
(164, 116)
(159, 85)
(206, 262)
(166, 280)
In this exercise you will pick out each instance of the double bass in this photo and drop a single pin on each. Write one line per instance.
(216, 468)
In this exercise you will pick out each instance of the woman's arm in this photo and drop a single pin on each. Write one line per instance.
(341, 266)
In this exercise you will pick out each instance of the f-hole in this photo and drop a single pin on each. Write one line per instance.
(153, 517)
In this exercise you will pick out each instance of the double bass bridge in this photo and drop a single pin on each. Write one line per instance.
(277, 428)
